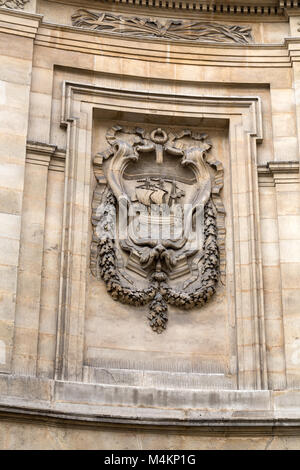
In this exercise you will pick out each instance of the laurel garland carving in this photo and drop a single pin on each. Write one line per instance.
(171, 29)
(13, 3)
(107, 259)
(157, 257)
(158, 293)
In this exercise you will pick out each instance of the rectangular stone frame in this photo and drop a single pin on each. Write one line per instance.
(244, 273)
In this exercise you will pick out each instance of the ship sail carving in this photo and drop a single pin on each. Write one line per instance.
(157, 197)
(144, 196)
(154, 193)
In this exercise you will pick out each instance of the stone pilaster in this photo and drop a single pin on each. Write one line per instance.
(17, 32)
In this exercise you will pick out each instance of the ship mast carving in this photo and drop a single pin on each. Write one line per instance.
(153, 191)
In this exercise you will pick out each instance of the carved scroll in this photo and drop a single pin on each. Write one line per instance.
(171, 29)
(166, 181)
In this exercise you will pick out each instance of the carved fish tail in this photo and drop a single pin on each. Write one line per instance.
(158, 314)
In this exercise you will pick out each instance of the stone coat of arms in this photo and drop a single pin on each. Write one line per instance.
(158, 219)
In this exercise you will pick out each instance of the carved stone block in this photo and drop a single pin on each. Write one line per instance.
(155, 235)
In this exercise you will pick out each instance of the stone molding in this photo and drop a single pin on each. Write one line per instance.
(78, 102)
(230, 8)
(289, 4)
(62, 37)
(45, 155)
(205, 7)
(19, 23)
(156, 50)
(249, 412)
(274, 173)
(234, 9)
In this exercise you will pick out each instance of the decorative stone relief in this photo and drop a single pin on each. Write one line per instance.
(171, 29)
(13, 3)
(156, 214)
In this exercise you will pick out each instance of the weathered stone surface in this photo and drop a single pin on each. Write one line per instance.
(41, 437)
(68, 351)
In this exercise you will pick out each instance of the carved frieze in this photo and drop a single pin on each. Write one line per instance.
(157, 212)
(13, 3)
(171, 29)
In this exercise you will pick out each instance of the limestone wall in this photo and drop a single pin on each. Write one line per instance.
(65, 346)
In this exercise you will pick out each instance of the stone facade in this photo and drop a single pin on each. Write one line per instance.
(194, 103)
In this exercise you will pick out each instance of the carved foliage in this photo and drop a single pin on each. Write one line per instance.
(107, 259)
(171, 29)
(13, 3)
(158, 258)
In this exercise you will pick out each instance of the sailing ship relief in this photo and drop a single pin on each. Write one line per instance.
(159, 214)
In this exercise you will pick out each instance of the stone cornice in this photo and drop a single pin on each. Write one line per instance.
(253, 412)
(19, 22)
(62, 36)
(226, 7)
(218, 427)
(156, 50)
(46, 155)
(274, 173)
(217, 8)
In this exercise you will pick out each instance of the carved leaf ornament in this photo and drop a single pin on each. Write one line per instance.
(171, 29)
(13, 3)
